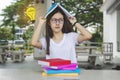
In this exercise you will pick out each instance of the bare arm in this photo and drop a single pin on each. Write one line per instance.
(84, 33)
(36, 35)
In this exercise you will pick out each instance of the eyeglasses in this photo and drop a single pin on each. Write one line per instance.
(54, 20)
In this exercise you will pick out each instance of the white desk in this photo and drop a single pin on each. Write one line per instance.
(23, 74)
(30, 70)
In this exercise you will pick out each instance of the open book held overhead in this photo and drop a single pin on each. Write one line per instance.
(54, 6)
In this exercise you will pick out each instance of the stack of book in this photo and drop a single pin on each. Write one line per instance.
(59, 67)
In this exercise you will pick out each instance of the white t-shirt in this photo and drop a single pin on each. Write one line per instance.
(65, 49)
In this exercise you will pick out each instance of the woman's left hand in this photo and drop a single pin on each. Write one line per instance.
(72, 20)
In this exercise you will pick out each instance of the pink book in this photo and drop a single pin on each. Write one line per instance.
(71, 66)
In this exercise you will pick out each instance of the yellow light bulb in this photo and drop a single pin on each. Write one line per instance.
(31, 12)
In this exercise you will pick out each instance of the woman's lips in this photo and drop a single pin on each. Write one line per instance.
(57, 27)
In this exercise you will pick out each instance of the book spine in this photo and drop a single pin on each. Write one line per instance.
(68, 66)
(65, 68)
(60, 63)
(72, 65)
(62, 71)
(61, 74)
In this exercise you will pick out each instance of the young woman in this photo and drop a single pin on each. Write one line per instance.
(60, 38)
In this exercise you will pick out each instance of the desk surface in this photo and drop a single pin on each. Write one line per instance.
(21, 74)
(30, 70)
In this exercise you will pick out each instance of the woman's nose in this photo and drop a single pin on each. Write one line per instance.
(57, 22)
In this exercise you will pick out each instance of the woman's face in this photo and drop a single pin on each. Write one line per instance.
(56, 22)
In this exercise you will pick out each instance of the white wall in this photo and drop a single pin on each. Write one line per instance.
(110, 29)
(118, 27)
(106, 25)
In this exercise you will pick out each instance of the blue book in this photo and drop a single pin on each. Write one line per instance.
(53, 71)
(54, 6)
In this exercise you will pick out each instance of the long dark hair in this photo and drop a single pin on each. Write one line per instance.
(67, 27)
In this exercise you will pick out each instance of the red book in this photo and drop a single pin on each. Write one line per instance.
(53, 62)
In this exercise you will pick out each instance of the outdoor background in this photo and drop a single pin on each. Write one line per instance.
(16, 27)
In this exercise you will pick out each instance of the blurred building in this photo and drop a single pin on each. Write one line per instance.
(18, 33)
(111, 24)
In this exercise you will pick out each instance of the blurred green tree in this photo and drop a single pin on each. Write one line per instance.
(86, 11)
(5, 34)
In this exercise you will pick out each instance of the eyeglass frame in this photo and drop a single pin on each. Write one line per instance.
(55, 20)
